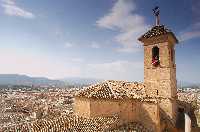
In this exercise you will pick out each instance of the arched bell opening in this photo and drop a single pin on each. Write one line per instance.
(155, 56)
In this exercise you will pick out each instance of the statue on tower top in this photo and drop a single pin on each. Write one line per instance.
(156, 12)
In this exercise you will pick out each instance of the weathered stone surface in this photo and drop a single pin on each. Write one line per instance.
(82, 107)
(127, 111)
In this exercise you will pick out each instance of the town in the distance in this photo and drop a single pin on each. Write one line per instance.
(33, 102)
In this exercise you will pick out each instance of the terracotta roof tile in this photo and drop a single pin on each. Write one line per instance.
(157, 31)
(68, 123)
(112, 89)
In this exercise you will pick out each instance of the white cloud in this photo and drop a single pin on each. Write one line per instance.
(123, 18)
(77, 60)
(191, 32)
(189, 35)
(119, 70)
(35, 65)
(68, 45)
(11, 9)
(95, 45)
(52, 67)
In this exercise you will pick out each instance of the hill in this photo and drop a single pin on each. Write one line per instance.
(16, 79)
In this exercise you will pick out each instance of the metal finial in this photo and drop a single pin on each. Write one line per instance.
(156, 12)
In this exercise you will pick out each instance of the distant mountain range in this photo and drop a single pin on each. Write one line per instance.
(17, 79)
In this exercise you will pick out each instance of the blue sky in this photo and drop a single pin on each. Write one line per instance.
(93, 38)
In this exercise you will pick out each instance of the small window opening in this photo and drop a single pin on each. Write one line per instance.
(157, 92)
(155, 56)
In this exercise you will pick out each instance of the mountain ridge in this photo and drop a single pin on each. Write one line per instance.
(19, 79)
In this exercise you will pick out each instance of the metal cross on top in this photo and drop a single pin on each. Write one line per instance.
(156, 12)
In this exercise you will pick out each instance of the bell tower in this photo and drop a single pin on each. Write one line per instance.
(159, 66)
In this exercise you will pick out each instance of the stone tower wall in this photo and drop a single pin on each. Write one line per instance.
(168, 108)
(150, 115)
(160, 80)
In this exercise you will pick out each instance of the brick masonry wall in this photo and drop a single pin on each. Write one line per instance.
(150, 115)
(100, 107)
(82, 107)
(128, 111)
(163, 77)
(169, 107)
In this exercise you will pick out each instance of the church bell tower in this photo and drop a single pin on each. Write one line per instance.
(159, 65)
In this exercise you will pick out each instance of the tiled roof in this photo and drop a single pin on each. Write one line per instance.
(131, 127)
(73, 123)
(115, 90)
(68, 123)
(157, 31)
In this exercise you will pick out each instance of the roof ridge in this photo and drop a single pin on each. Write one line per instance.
(96, 88)
(109, 85)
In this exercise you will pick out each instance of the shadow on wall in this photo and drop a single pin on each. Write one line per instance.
(150, 115)
(144, 114)
(167, 125)
(184, 107)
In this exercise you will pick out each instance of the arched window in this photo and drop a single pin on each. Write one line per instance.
(155, 56)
